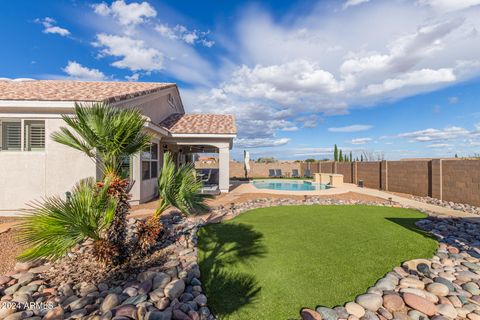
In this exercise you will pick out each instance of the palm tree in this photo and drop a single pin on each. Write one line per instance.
(108, 135)
(52, 228)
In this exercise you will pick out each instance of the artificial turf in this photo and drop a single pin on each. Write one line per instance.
(269, 263)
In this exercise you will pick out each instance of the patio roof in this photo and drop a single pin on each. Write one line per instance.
(200, 124)
(83, 91)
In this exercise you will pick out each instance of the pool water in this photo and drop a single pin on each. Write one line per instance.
(294, 185)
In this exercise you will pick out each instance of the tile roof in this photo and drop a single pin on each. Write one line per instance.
(200, 123)
(69, 90)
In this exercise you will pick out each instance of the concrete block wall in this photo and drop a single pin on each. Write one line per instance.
(461, 181)
(409, 177)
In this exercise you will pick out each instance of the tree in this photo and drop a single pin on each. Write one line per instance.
(361, 157)
(52, 228)
(266, 160)
(310, 160)
(108, 135)
(456, 155)
(351, 156)
(335, 153)
(340, 157)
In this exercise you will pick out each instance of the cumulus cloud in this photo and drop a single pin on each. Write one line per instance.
(78, 72)
(126, 14)
(50, 26)
(423, 77)
(180, 32)
(360, 140)
(133, 54)
(351, 128)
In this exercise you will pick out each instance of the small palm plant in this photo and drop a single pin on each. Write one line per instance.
(108, 135)
(178, 188)
(53, 227)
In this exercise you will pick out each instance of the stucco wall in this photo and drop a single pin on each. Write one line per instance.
(156, 106)
(26, 176)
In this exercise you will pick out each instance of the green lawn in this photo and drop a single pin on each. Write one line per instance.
(269, 263)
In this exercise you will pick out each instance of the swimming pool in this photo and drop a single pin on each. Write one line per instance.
(289, 185)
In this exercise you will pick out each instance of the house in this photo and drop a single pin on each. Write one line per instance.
(33, 166)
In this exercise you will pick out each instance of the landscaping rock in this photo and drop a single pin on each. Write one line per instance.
(174, 289)
(355, 309)
(370, 301)
(327, 313)
(308, 314)
(420, 304)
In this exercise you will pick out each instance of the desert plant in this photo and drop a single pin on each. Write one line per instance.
(51, 228)
(179, 188)
(104, 133)
(108, 135)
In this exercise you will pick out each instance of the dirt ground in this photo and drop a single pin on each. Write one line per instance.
(9, 247)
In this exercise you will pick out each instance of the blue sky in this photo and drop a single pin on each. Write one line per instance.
(396, 78)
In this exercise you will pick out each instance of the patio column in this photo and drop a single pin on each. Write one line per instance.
(224, 169)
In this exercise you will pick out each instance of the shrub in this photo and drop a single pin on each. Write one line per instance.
(53, 227)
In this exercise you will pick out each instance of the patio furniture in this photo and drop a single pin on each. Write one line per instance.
(271, 173)
(278, 173)
(295, 173)
(207, 178)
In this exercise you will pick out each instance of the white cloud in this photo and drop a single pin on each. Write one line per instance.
(126, 14)
(428, 135)
(450, 5)
(133, 53)
(352, 128)
(360, 140)
(50, 26)
(260, 142)
(78, 72)
(133, 77)
(423, 77)
(310, 121)
(351, 3)
(439, 145)
(180, 32)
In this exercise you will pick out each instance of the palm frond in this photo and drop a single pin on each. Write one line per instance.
(179, 187)
(104, 133)
(53, 227)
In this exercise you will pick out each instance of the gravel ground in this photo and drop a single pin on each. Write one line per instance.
(9, 249)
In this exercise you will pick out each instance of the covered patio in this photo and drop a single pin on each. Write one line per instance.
(186, 136)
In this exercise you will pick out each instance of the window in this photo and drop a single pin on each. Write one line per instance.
(12, 131)
(150, 162)
(34, 135)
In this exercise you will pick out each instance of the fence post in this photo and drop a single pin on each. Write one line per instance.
(384, 175)
(354, 172)
(436, 179)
